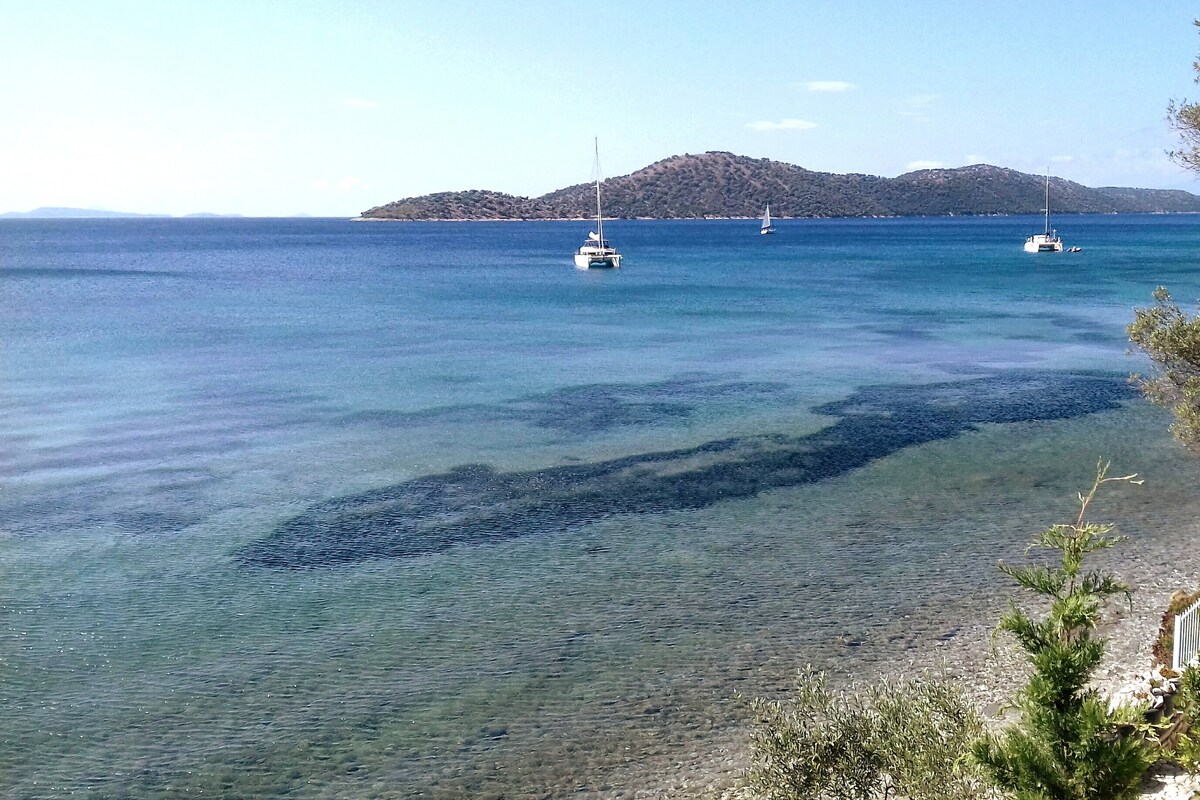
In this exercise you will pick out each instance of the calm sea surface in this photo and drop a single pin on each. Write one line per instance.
(328, 509)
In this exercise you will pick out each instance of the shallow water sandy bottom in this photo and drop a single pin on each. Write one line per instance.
(311, 509)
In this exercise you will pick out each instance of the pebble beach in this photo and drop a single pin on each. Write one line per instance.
(990, 669)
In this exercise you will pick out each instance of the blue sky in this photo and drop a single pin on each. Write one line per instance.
(328, 108)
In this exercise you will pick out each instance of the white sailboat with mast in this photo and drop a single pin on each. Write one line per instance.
(766, 222)
(1047, 241)
(596, 252)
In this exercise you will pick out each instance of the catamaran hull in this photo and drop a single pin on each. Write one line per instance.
(1043, 244)
(585, 261)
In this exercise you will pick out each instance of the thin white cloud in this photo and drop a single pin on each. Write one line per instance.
(343, 185)
(358, 102)
(919, 101)
(782, 125)
(828, 86)
(915, 107)
(915, 165)
(974, 158)
(1062, 159)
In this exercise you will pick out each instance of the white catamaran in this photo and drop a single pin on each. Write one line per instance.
(596, 252)
(766, 222)
(1047, 241)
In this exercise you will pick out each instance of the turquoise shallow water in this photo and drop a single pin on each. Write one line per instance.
(324, 509)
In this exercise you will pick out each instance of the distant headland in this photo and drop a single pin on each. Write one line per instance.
(723, 185)
(60, 212)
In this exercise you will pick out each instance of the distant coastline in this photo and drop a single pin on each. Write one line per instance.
(64, 212)
(747, 218)
(57, 212)
(719, 185)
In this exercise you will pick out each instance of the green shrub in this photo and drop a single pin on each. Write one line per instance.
(1186, 750)
(1171, 338)
(1067, 745)
(909, 738)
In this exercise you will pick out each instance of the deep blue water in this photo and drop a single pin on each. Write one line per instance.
(335, 509)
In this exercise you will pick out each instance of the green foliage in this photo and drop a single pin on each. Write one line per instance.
(1185, 119)
(1172, 341)
(1067, 745)
(1187, 700)
(1169, 336)
(906, 738)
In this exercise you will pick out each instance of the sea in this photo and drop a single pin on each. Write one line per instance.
(316, 508)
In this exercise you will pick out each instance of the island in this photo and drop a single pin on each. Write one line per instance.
(718, 185)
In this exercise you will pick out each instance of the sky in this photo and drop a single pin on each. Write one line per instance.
(329, 108)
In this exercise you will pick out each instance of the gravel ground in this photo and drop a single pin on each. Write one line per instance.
(712, 772)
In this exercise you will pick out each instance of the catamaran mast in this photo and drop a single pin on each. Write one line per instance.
(1047, 208)
(599, 218)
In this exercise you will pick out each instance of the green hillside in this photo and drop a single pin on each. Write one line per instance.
(719, 184)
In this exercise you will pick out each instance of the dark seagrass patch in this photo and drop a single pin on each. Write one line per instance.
(475, 505)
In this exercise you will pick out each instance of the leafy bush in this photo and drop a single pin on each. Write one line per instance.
(1187, 699)
(1171, 339)
(907, 738)
(1067, 745)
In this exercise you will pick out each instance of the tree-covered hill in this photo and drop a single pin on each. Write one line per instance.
(719, 184)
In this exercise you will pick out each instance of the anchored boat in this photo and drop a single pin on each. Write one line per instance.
(766, 222)
(1047, 241)
(596, 252)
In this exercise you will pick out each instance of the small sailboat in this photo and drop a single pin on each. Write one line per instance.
(1047, 241)
(596, 252)
(766, 222)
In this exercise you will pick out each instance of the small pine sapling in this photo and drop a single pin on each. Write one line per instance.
(1067, 744)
